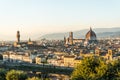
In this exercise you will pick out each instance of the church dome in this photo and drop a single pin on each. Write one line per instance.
(90, 35)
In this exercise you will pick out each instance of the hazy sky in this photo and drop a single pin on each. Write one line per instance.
(36, 17)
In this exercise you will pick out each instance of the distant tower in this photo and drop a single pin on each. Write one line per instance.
(29, 39)
(30, 42)
(18, 36)
(64, 40)
(71, 38)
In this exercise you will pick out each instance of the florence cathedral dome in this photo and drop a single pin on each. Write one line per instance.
(91, 35)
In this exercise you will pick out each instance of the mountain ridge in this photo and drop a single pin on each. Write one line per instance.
(100, 32)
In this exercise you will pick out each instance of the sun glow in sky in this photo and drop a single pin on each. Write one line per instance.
(36, 17)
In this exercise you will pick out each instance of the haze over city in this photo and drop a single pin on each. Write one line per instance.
(59, 40)
(37, 17)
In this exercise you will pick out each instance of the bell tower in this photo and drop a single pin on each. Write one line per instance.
(71, 38)
(18, 36)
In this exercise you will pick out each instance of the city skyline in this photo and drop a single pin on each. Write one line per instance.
(39, 17)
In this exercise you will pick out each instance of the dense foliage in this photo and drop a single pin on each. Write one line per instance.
(34, 78)
(113, 72)
(3, 74)
(37, 78)
(16, 75)
(95, 68)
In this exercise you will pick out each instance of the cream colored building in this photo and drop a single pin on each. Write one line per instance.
(38, 60)
(71, 61)
(27, 59)
(17, 57)
(109, 55)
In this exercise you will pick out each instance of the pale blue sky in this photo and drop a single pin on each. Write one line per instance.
(33, 17)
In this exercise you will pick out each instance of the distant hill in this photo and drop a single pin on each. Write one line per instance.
(100, 32)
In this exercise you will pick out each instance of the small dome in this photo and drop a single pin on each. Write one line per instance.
(90, 35)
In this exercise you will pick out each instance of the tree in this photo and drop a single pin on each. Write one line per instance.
(34, 78)
(2, 74)
(91, 68)
(113, 72)
(16, 75)
(1, 57)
